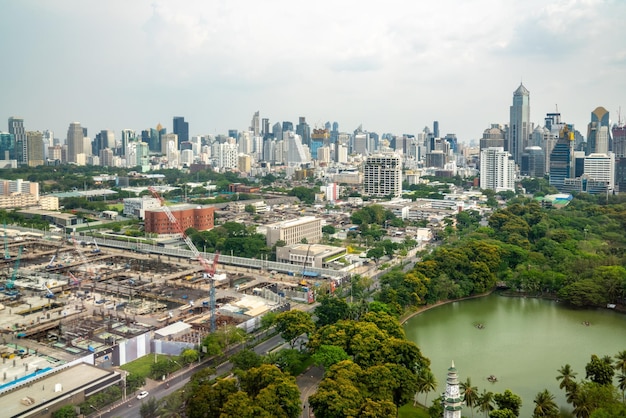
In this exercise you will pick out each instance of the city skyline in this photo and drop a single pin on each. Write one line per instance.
(117, 66)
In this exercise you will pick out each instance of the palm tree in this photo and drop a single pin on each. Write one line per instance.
(545, 407)
(620, 361)
(621, 384)
(426, 383)
(566, 376)
(470, 394)
(485, 402)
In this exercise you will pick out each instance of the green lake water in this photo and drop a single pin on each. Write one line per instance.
(523, 343)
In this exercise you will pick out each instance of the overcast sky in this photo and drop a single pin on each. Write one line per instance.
(392, 66)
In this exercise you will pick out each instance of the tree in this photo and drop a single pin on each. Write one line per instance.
(620, 361)
(567, 377)
(330, 310)
(508, 400)
(172, 406)
(134, 381)
(545, 407)
(189, 356)
(485, 402)
(600, 370)
(292, 324)
(66, 411)
(502, 413)
(621, 384)
(328, 229)
(150, 408)
(470, 394)
(426, 383)
(327, 355)
(246, 359)
(583, 293)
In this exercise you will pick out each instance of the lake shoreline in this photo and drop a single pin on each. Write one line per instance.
(424, 308)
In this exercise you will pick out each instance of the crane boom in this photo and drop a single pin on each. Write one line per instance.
(208, 268)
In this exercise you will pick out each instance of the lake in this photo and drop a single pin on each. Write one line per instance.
(523, 342)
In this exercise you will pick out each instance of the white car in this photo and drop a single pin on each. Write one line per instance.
(142, 394)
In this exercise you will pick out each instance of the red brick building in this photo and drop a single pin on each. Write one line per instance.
(201, 218)
(242, 188)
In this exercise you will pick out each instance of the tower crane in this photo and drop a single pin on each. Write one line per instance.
(7, 256)
(209, 269)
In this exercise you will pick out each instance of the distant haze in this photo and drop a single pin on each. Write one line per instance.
(392, 66)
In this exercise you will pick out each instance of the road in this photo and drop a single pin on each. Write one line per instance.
(130, 408)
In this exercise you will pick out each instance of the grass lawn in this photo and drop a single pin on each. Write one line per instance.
(141, 366)
(410, 411)
(118, 207)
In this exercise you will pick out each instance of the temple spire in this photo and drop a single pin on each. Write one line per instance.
(452, 398)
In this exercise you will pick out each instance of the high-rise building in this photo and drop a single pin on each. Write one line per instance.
(497, 170)
(287, 126)
(601, 167)
(304, 130)
(35, 149)
(255, 124)
(562, 158)
(533, 162)
(7, 146)
(319, 138)
(181, 128)
(519, 124)
(128, 135)
(598, 134)
(436, 129)
(16, 127)
(493, 137)
(75, 143)
(382, 175)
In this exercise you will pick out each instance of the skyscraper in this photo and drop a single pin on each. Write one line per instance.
(497, 170)
(255, 124)
(561, 158)
(75, 142)
(382, 175)
(519, 124)
(304, 131)
(16, 127)
(598, 134)
(181, 128)
(35, 149)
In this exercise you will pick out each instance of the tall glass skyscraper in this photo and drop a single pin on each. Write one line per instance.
(181, 128)
(16, 127)
(561, 159)
(519, 123)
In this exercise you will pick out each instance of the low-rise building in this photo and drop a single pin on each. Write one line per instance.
(201, 218)
(309, 255)
(137, 206)
(294, 231)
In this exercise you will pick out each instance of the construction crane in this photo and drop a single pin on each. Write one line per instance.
(96, 249)
(209, 269)
(49, 293)
(10, 286)
(7, 256)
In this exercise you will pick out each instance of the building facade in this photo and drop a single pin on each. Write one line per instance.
(201, 218)
(519, 123)
(497, 170)
(382, 176)
(75, 143)
(294, 231)
(452, 397)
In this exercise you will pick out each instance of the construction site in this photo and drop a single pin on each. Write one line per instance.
(67, 299)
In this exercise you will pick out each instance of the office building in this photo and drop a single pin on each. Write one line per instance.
(7, 146)
(181, 128)
(497, 170)
(306, 229)
(255, 124)
(601, 167)
(533, 162)
(128, 135)
(519, 125)
(382, 175)
(598, 134)
(304, 131)
(493, 137)
(75, 143)
(16, 128)
(562, 159)
(319, 138)
(35, 149)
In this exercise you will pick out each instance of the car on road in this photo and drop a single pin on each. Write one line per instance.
(142, 394)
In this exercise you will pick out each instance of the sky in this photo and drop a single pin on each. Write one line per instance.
(391, 66)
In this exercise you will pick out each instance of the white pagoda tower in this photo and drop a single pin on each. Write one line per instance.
(452, 398)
